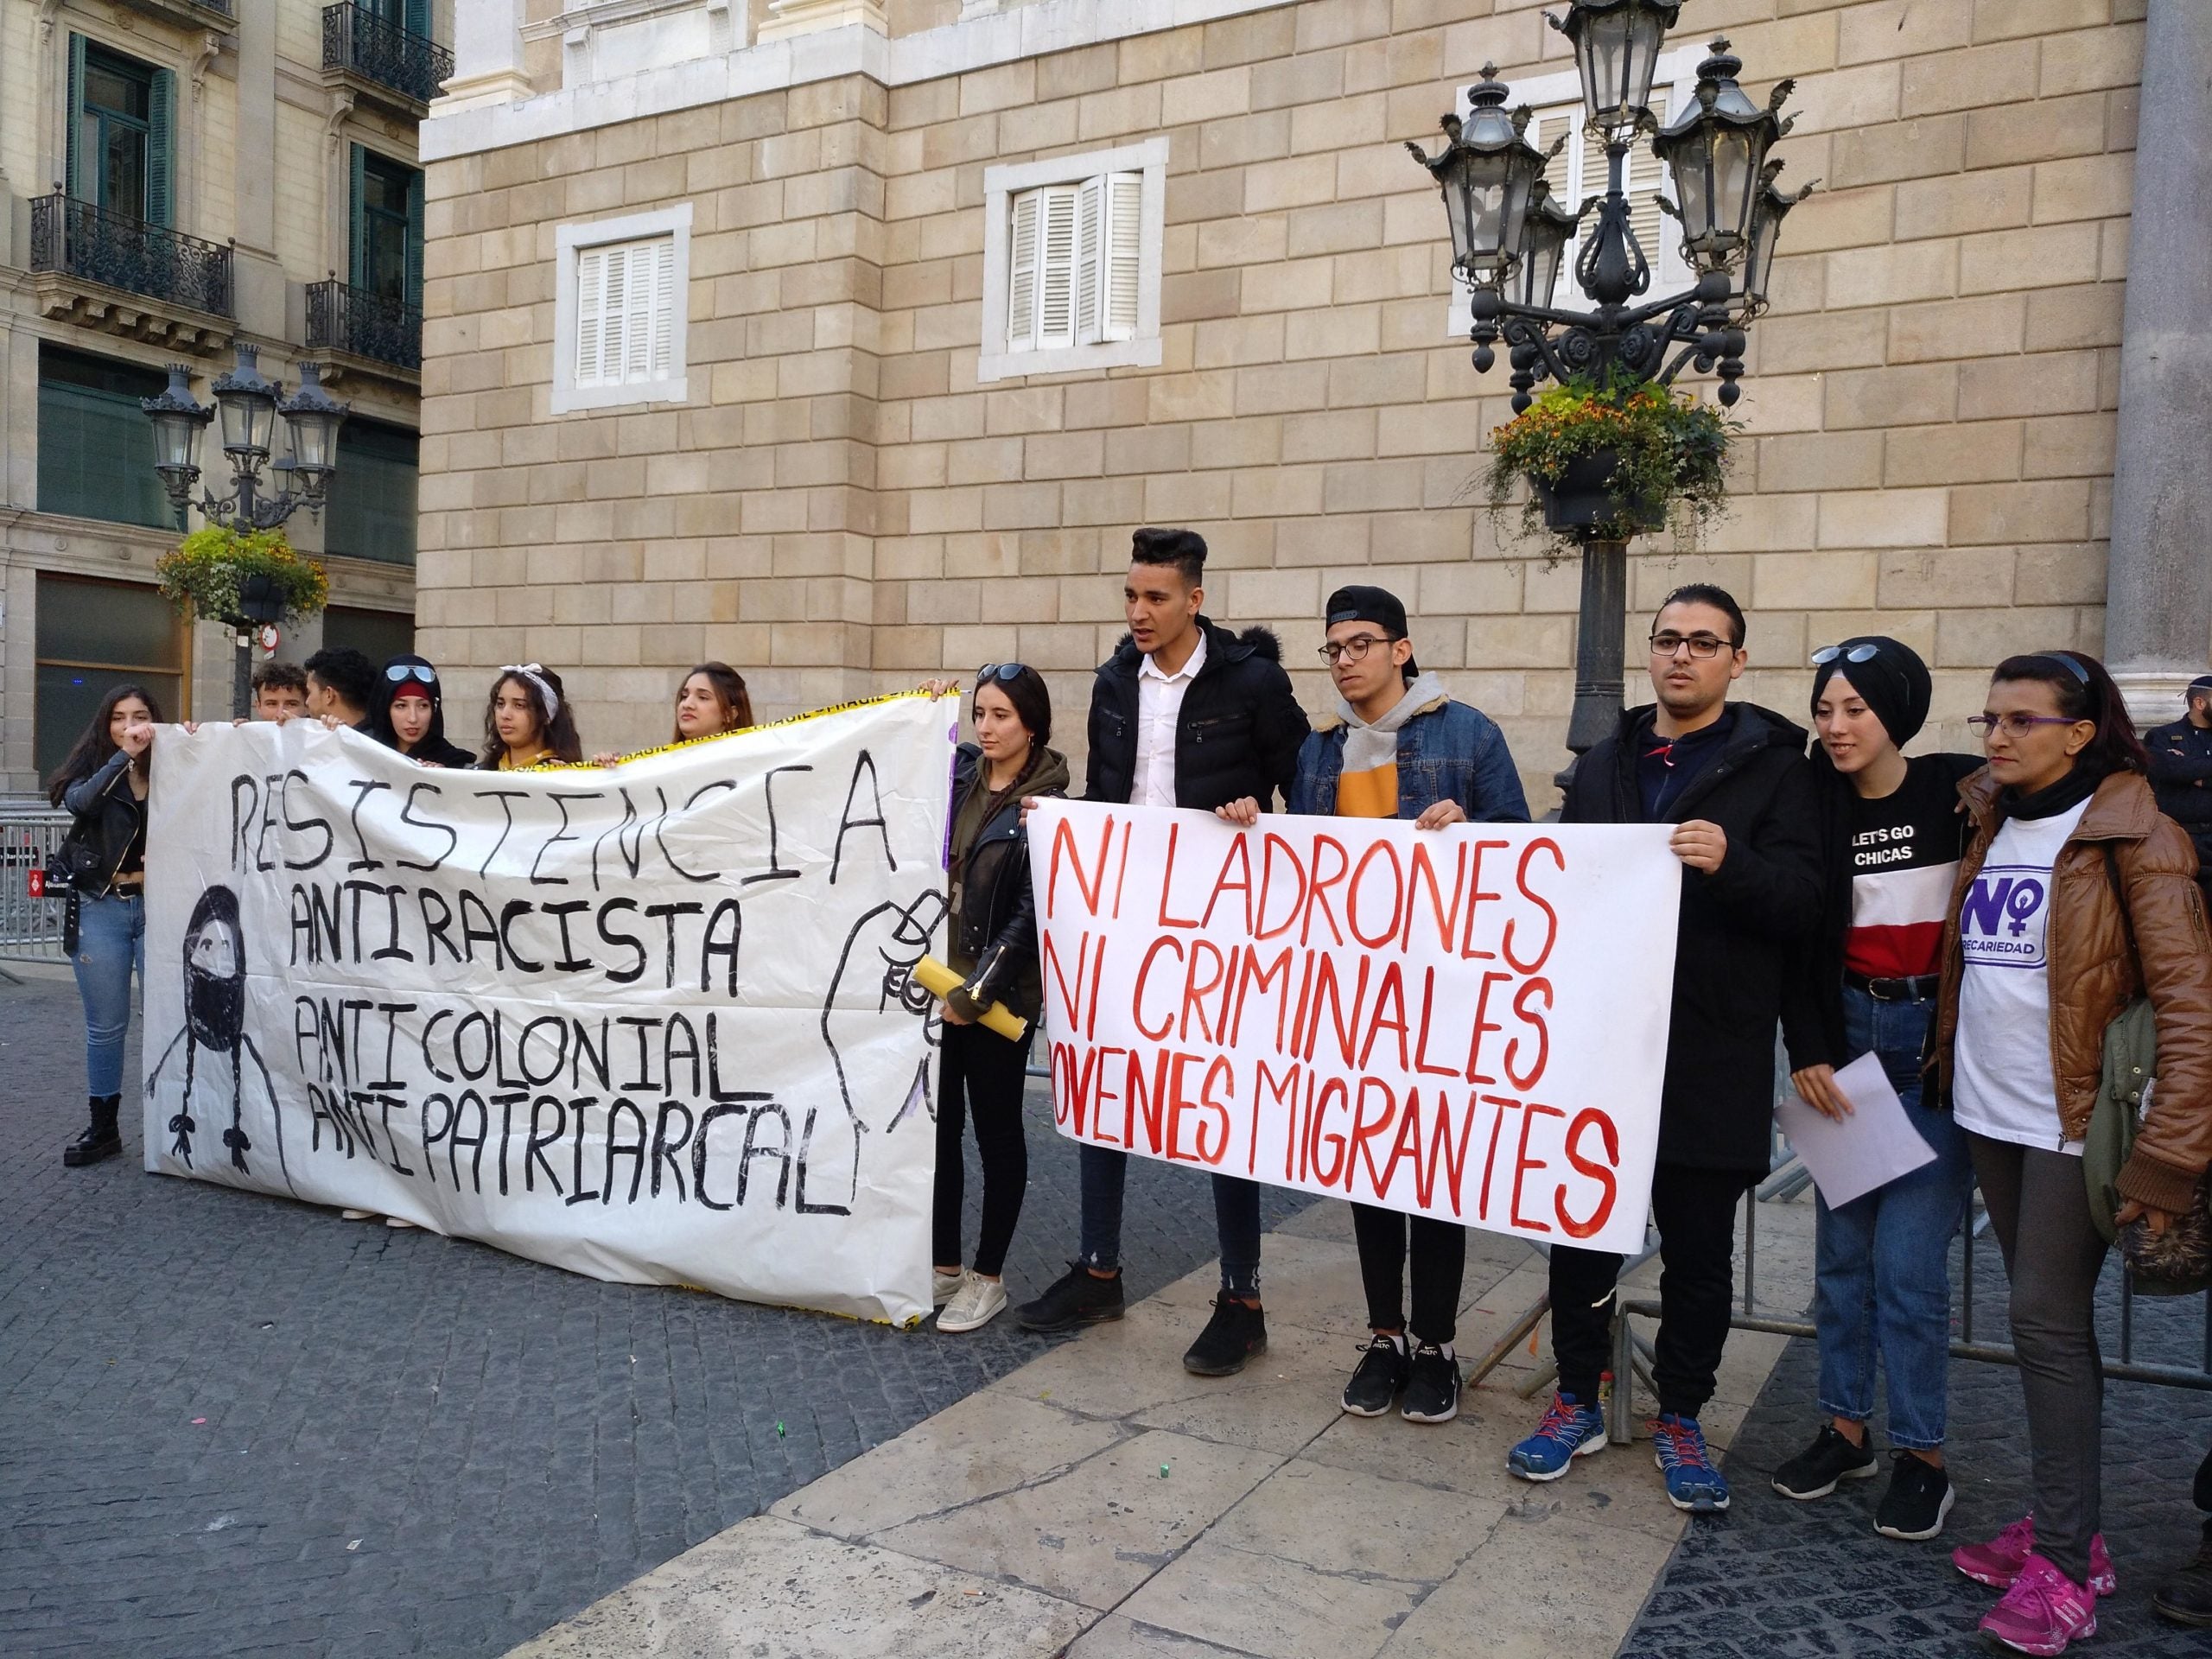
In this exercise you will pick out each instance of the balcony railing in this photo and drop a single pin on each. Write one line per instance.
(77, 239)
(345, 319)
(356, 41)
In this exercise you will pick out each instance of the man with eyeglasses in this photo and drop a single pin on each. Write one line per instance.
(1733, 780)
(1185, 713)
(1398, 747)
(2181, 773)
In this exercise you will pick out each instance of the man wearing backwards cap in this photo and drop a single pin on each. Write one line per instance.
(2181, 773)
(1398, 747)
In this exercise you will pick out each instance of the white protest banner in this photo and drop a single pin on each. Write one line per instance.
(653, 1023)
(1469, 1024)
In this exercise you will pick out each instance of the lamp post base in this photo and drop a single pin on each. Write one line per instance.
(1598, 650)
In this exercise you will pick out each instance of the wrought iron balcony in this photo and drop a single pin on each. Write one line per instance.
(73, 239)
(381, 57)
(362, 324)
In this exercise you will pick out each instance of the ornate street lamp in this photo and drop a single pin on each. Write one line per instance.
(249, 407)
(1731, 217)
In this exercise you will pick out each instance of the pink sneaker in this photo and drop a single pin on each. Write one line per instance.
(1998, 1562)
(2044, 1612)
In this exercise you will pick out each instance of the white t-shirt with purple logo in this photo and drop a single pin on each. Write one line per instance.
(2002, 1084)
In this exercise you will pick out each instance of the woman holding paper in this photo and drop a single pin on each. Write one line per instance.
(992, 945)
(1891, 834)
(2075, 896)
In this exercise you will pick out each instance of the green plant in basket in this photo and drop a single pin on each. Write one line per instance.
(1605, 463)
(216, 570)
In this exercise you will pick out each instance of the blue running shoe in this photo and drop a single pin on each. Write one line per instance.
(1692, 1481)
(1570, 1430)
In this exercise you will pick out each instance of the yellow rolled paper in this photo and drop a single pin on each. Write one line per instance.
(941, 981)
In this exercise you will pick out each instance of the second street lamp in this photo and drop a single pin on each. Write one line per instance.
(1509, 240)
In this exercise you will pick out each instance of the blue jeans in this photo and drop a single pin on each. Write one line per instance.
(1881, 1261)
(110, 942)
(1236, 1218)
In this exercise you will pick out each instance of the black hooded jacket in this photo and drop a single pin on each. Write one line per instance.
(1741, 927)
(436, 749)
(1238, 734)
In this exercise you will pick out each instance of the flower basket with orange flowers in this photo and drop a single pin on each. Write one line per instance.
(1604, 465)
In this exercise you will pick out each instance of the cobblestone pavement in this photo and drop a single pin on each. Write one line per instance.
(1776, 1579)
(234, 1424)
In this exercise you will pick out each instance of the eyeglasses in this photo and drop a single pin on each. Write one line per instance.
(1827, 654)
(400, 673)
(1703, 646)
(1353, 649)
(2016, 724)
(1002, 672)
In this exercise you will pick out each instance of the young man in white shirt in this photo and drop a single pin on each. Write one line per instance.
(1185, 714)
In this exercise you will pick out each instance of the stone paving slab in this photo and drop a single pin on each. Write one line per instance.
(1167, 1515)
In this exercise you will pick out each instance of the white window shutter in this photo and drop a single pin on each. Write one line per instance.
(591, 290)
(665, 303)
(1090, 251)
(1022, 276)
(1124, 252)
(1056, 268)
(638, 358)
(613, 344)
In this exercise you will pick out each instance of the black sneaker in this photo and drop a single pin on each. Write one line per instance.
(1232, 1336)
(2186, 1598)
(1381, 1373)
(1432, 1387)
(1920, 1496)
(1814, 1471)
(1076, 1297)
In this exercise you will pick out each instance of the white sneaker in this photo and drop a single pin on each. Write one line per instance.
(943, 1287)
(357, 1215)
(978, 1303)
(399, 1221)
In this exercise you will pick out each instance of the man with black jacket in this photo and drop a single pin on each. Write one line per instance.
(1185, 713)
(1733, 779)
(2181, 773)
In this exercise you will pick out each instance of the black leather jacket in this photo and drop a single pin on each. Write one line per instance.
(994, 930)
(1238, 734)
(110, 816)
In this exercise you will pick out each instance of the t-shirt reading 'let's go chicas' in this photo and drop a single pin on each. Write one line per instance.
(1903, 855)
(2002, 1086)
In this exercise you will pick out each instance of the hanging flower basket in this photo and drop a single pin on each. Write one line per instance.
(1604, 465)
(241, 578)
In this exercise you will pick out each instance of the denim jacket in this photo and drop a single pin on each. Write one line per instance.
(1447, 752)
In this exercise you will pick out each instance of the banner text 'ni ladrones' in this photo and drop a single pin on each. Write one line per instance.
(652, 1024)
(1469, 1024)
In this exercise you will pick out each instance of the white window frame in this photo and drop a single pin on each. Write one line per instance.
(569, 241)
(997, 358)
(1545, 94)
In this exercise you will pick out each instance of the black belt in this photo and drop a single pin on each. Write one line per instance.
(1916, 988)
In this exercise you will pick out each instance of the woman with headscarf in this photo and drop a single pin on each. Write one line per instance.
(409, 714)
(1891, 835)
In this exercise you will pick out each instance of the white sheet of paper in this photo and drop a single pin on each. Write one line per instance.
(1872, 1146)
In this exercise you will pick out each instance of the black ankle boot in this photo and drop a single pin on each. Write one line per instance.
(101, 1139)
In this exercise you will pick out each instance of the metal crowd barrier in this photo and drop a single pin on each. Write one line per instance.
(30, 926)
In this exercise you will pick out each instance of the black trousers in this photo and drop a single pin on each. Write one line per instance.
(1695, 1210)
(979, 1074)
(1439, 1252)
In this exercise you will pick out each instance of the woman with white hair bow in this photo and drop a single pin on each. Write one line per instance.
(528, 720)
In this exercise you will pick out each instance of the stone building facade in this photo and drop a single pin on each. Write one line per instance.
(177, 175)
(838, 467)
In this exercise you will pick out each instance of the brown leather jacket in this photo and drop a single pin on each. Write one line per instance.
(2093, 975)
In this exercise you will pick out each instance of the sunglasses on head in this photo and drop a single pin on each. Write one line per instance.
(1001, 672)
(400, 673)
(1827, 654)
